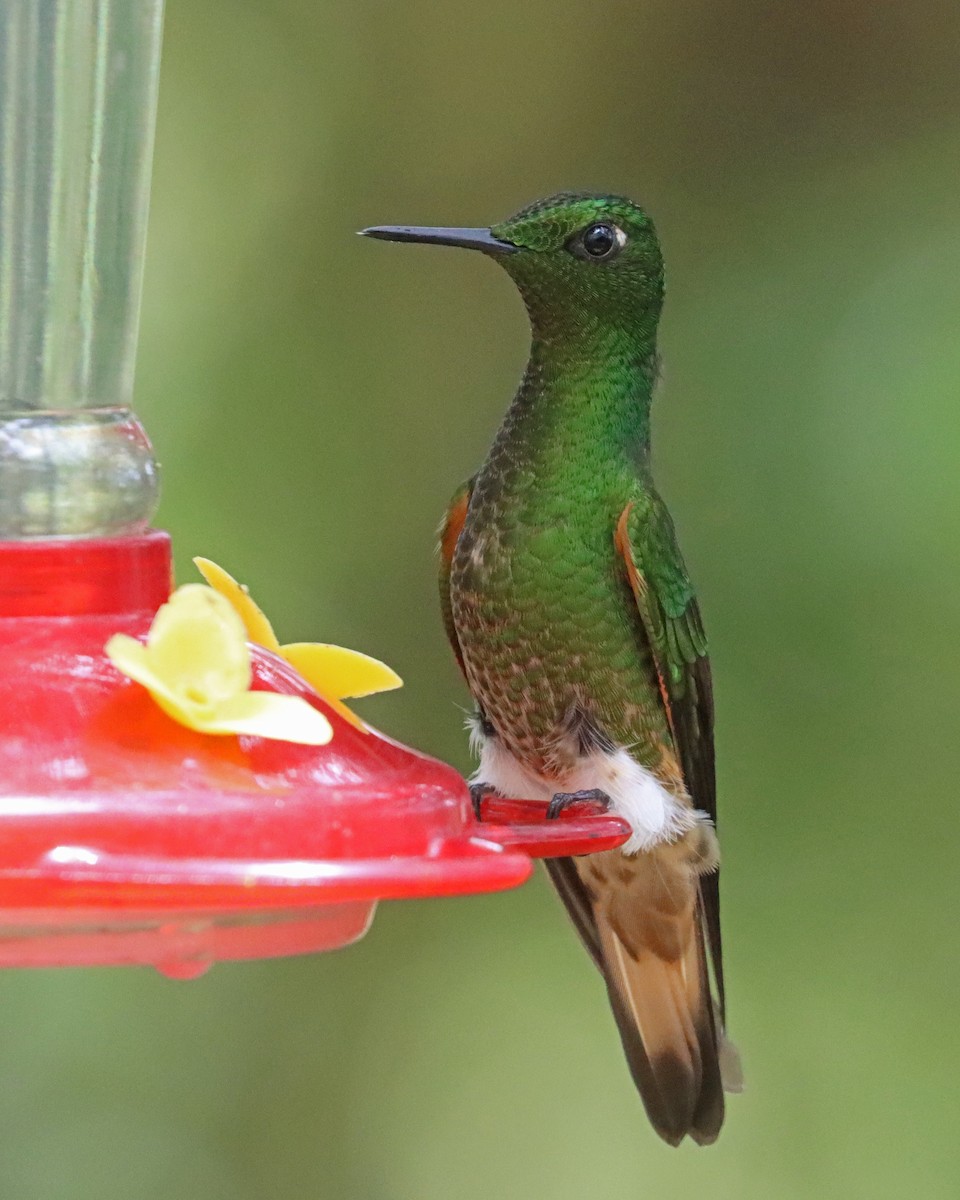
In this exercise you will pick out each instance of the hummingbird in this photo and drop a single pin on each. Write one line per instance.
(574, 622)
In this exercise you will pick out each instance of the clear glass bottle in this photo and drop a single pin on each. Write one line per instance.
(78, 87)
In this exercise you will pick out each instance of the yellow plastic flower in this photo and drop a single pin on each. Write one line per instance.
(334, 672)
(196, 666)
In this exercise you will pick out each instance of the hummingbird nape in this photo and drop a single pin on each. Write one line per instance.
(573, 619)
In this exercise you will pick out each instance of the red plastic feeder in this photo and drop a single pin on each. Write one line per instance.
(127, 838)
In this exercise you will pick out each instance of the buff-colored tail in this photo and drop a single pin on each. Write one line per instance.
(641, 918)
(667, 1025)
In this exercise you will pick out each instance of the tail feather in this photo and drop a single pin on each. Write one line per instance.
(665, 1016)
(642, 919)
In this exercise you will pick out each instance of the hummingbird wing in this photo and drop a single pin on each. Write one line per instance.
(671, 619)
(450, 529)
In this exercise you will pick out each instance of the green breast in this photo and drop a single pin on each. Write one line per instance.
(546, 620)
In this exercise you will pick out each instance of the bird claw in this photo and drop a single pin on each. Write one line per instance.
(477, 793)
(563, 800)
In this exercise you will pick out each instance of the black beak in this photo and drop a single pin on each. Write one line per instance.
(472, 239)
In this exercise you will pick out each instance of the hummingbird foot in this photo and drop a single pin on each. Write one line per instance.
(477, 793)
(562, 800)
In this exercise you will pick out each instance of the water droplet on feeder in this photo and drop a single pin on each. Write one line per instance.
(189, 952)
(184, 968)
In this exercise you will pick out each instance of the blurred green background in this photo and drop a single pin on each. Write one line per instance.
(315, 399)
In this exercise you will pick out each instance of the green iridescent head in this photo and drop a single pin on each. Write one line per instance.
(595, 256)
(583, 262)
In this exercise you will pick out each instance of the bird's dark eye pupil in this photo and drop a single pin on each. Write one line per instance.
(599, 240)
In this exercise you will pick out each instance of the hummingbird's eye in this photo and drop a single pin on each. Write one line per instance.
(599, 242)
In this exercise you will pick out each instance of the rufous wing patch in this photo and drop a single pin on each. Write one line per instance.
(453, 526)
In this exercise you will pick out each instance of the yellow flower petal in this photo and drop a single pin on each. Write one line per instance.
(263, 714)
(133, 659)
(197, 645)
(258, 628)
(137, 663)
(340, 673)
(266, 714)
